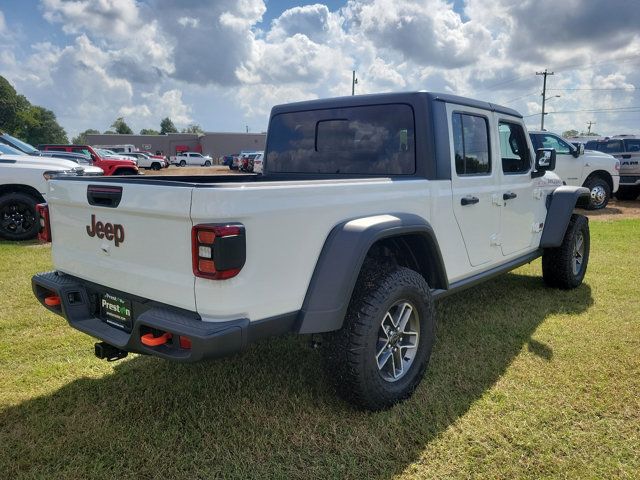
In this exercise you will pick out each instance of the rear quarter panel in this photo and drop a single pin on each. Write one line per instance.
(286, 227)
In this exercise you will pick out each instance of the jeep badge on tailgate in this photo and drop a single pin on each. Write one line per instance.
(106, 230)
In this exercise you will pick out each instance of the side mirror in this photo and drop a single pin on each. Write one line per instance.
(545, 160)
(579, 150)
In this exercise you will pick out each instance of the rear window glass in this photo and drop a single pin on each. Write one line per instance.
(369, 140)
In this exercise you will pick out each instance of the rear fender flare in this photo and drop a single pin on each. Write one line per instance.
(341, 259)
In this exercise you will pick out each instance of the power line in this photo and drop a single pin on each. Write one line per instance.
(633, 89)
(515, 79)
(561, 68)
(633, 109)
(581, 66)
(523, 96)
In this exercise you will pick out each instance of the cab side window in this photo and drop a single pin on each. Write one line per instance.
(613, 146)
(513, 148)
(471, 144)
(551, 141)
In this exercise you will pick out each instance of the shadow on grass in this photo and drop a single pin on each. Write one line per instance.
(268, 413)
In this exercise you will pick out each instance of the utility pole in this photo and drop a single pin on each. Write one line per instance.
(589, 123)
(247, 127)
(354, 82)
(544, 94)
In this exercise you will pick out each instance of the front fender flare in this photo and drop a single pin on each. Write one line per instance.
(341, 259)
(561, 204)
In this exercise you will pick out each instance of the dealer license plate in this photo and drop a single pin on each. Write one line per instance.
(116, 311)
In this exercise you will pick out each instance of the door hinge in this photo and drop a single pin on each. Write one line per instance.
(537, 227)
(496, 240)
(537, 193)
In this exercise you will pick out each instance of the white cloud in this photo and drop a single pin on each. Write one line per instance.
(152, 58)
(189, 22)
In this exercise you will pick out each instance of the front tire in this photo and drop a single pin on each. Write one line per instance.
(155, 166)
(18, 217)
(600, 193)
(183, 163)
(565, 266)
(207, 163)
(379, 356)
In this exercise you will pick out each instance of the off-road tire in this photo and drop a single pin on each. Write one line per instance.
(350, 353)
(627, 193)
(598, 188)
(18, 217)
(558, 263)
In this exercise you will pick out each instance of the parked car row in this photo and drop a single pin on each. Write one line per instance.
(23, 185)
(111, 164)
(244, 161)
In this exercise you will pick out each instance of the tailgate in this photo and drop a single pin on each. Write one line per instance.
(145, 247)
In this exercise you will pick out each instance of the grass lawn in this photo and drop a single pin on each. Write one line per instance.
(524, 382)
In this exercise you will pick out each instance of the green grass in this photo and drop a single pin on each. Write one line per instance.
(524, 382)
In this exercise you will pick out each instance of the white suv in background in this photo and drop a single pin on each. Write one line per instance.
(23, 185)
(597, 171)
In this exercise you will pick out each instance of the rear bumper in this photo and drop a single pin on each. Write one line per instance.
(79, 306)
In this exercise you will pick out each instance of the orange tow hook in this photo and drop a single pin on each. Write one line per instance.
(150, 341)
(52, 301)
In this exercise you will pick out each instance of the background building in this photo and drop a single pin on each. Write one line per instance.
(215, 144)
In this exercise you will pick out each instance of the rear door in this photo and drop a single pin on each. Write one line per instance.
(516, 187)
(139, 244)
(474, 182)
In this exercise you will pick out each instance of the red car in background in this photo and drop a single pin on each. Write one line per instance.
(110, 165)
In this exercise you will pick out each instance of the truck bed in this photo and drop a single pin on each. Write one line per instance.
(287, 220)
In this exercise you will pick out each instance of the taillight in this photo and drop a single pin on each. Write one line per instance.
(218, 251)
(44, 234)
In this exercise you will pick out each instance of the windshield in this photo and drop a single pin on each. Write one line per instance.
(6, 149)
(107, 153)
(25, 147)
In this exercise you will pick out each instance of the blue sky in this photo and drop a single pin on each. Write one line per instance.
(224, 63)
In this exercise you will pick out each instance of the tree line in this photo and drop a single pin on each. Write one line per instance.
(119, 126)
(36, 125)
(31, 123)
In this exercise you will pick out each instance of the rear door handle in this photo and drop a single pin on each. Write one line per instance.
(509, 196)
(469, 200)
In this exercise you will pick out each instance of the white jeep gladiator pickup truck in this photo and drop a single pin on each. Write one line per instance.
(23, 185)
(369, 209)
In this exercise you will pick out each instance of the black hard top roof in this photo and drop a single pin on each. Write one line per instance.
(398, 97)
